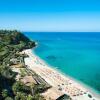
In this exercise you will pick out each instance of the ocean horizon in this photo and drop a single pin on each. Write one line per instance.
(76, 54)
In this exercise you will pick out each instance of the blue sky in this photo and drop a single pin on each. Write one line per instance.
(50, 15)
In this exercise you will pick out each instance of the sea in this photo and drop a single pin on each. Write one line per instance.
(76, 54)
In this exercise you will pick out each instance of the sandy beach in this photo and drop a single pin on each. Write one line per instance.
(60, 82)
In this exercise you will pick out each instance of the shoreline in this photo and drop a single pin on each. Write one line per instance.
(74, 82)
(94, 92)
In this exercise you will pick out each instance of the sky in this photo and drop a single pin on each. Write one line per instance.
(50, 15)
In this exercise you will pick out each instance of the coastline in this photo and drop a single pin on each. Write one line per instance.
(94, 92)
(82, 86)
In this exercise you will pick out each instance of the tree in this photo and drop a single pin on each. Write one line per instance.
(20, 87)
(4, 93)
(17, 87)
(6, 71)
(8, 98)
(20, 96)
(29, 97)
(38, 97)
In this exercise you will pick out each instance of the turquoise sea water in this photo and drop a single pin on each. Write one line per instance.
(75, 54)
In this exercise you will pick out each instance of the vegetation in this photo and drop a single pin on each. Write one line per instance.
(11, 43)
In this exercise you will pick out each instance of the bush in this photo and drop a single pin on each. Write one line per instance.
(8, 98)
(20, 96)
(4, 93)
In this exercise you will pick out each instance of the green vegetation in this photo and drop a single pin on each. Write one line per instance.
(23, 72)
(11, 43)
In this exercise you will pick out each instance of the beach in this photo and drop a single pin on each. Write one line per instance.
(57, 80)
